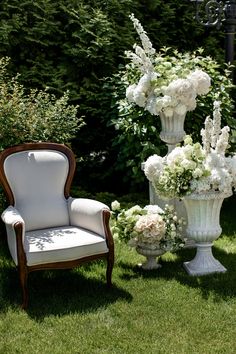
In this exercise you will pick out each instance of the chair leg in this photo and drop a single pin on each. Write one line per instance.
(24, 287)
(110, 264)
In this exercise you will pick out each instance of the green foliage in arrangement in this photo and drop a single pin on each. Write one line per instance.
(35, 115)
(74, 45)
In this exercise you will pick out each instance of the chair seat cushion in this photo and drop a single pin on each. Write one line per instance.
(61, 244)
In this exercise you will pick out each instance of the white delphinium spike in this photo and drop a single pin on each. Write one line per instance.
(140, 59)
(136, 60)
(216, 123)
(203, 135)
(206, 135)
(146, 43)
(223, 141)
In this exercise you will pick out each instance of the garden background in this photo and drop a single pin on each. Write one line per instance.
(79, 46)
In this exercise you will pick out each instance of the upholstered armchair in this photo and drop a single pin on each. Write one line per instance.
(46, 227)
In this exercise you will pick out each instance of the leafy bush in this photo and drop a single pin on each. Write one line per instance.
(33, 116)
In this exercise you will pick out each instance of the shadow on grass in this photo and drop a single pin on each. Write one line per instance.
(59, 292)
(227, 217)
(219, 285)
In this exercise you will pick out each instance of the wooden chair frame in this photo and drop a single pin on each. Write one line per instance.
(23, 268)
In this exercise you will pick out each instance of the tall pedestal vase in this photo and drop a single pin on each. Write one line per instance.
(203, 213)
(172, 133)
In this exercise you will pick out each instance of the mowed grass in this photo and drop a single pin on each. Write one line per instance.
(159, 311)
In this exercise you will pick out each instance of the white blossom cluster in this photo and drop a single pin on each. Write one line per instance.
(194, 167)
(171, 175)
(150, 226)
(162, 86)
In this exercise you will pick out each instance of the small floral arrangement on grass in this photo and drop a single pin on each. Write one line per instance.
(160, 82)
(195, 168)
(150, 227)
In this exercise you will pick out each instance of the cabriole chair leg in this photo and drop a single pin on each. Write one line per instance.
(24, 287)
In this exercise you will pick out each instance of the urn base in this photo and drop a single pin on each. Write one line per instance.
(204, 262)
(151, 257)
(151, 263)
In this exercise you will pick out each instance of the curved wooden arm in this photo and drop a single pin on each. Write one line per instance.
(21, 257)
(109, 238)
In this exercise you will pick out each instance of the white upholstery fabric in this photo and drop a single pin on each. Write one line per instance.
(54, 229)
(39, 177)
(61, 244)
(11, 216)
(87, 213)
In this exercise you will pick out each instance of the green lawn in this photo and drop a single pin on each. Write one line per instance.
(160, 311)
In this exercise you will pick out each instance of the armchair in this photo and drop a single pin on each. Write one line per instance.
(47, 228)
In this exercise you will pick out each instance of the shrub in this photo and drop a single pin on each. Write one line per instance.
(33, 116)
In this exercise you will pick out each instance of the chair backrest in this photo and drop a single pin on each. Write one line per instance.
(37, 179)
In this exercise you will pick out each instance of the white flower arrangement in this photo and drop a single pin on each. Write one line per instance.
(195, 168)
(150, 227)
(159, 83)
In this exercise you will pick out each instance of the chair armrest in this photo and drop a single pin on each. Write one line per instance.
(88, 214)
(15, 227)
(11, 216)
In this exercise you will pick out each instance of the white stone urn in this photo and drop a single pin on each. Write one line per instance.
(203, 212)
(151, 252)
(172, 131)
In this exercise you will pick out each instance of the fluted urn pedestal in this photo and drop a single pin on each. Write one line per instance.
(203, 212)
(151, 253)
(172, 133)
(172, 129)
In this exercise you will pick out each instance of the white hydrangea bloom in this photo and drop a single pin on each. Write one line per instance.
(151, 225)
(175, 156)
(153, 209)
(115, 205)
(201, 81)
(182, 89)
(153, 167)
